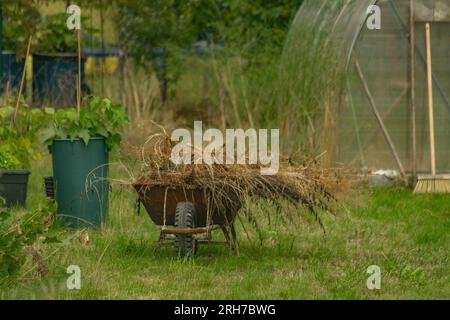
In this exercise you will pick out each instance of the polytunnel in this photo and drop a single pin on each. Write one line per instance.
(371, 79)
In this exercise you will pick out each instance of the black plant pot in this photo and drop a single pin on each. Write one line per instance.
(14, 186)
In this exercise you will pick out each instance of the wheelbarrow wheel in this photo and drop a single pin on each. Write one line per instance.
(185, 244)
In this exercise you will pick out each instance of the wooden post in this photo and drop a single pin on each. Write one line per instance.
(22, 81)
(7, 93)
(102, 58)
(79, 71)
(122, 66)
(381, 123)
(91, 40)
(412, 55)
(1, 44)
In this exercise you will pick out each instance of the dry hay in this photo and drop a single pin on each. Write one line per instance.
(307, 185)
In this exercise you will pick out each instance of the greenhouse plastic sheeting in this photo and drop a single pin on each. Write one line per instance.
(384, 59)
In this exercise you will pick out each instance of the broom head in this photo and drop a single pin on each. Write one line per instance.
(433, 184)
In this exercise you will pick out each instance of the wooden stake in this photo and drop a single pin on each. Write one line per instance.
(22, 81)
(7, 93)
(79, 71)
(430, 100)
(412, 56)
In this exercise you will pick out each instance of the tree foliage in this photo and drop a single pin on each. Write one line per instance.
(149, 24)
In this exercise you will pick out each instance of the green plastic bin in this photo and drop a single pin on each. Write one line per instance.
(80, 175)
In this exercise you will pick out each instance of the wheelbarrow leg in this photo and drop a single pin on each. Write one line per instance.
(161, 240)
(230, 237)
(226, 234)
(234, 238)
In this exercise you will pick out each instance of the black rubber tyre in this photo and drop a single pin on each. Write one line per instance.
(185, 244)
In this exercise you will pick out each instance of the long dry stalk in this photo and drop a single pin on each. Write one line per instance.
(229, 186)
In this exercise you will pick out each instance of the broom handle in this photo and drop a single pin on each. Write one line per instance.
(430, 100)
(79, 71)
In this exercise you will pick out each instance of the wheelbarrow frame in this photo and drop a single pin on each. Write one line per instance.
(160, 203)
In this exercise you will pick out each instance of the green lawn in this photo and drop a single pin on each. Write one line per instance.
(406, 235)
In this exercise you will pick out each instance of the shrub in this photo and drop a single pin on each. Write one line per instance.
(99, 118)
(19, 136)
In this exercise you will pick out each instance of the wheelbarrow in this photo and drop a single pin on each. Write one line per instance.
(187, 217)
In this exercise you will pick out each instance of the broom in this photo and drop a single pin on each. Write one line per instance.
(431, 183)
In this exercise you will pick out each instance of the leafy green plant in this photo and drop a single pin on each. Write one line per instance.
(20, 233)
(19, 135)
(98, 118)
(7, 158)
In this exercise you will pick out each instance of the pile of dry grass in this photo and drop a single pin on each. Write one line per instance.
(307, 185)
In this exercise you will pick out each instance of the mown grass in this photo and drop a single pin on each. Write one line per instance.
(406, 235)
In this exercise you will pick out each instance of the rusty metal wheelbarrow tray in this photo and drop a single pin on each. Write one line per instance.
(160, 203)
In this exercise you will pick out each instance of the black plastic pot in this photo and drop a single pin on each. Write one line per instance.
(14, 186)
